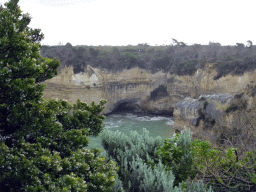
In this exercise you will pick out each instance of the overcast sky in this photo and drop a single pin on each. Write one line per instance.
(123, 22)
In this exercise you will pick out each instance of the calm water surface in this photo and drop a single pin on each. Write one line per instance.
(156, 125)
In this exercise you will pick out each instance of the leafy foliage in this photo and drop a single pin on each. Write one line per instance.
(171, 155)
(214, 167)
(130, 60)
(141, 167)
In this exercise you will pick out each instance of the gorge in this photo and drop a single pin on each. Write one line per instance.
(195, 101)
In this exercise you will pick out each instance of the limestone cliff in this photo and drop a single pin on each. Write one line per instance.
(94, 84)
(131, 89)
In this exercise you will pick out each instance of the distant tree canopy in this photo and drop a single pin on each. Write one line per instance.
(214, 44)
(94, 52)
(240, 45)
(81, 51)
(168, 58)
(68, 45)
(249, 43)
(145, 45)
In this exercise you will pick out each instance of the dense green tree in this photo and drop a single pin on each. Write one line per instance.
(43, 147)
(68, 45)
(130, 60)
(161, 63)
(94, 52)
(81, 51)
(114, 55)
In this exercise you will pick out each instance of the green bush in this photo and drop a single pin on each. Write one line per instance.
(203, 161)
(141, 168)
(179, 160)
(171, 154)
(227, 163)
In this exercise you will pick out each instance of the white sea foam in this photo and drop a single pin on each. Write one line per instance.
(116, 115)
(157, 118)
(171, 122)
(111, 125)
(130, 116)
(145, 118)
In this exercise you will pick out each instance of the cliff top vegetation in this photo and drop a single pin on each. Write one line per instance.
(178, 58)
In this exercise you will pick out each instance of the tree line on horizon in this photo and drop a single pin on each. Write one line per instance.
(177, 58)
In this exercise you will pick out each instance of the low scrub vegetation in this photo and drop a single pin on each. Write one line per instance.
(178, 58)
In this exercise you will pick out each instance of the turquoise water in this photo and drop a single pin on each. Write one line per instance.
(156, 125)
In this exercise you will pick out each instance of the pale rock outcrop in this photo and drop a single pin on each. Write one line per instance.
(192, 113)
(162, 106)
(187, 111)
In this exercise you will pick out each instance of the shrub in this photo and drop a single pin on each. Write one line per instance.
(140, 168)
(180, 161)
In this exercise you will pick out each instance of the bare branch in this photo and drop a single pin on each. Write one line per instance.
(175, 41)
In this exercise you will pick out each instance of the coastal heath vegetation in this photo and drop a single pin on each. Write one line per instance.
(178, 163)
(142, 168)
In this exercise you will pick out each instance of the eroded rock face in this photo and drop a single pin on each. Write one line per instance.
(95, 84)
(208, 114)
(162, 106)
(128, 105)
(189, 111)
